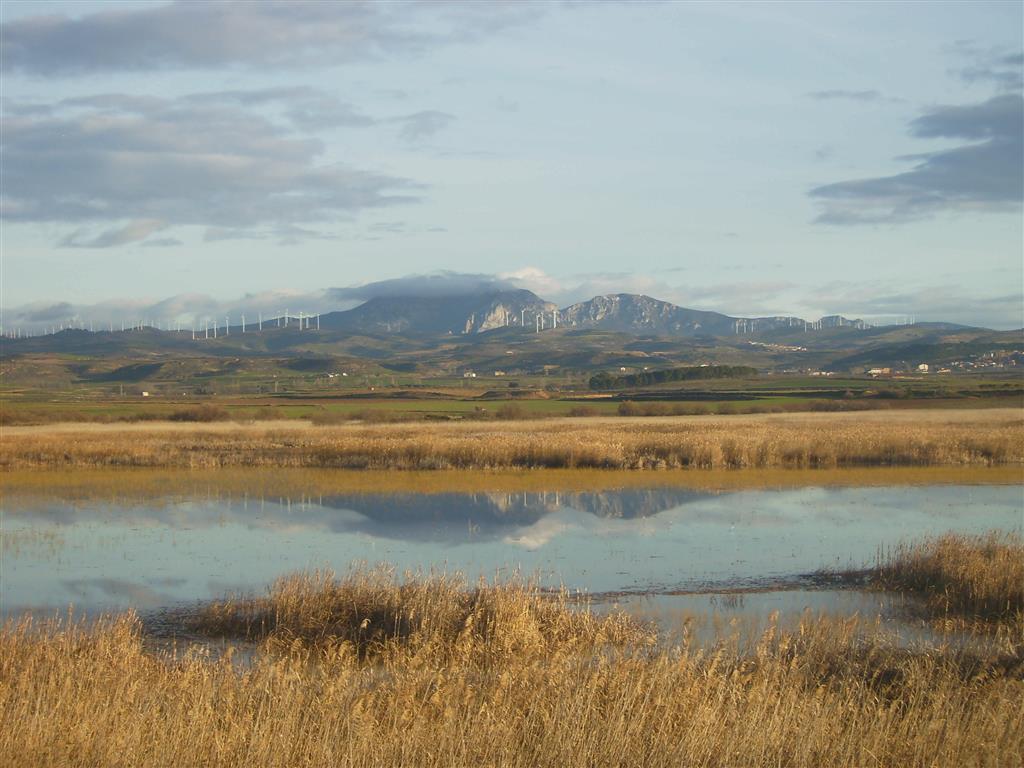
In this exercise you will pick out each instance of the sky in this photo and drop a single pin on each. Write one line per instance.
(174, 161)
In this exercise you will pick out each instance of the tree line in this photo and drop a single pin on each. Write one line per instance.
(605, 380)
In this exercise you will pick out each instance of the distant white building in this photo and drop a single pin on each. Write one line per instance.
(923, 368)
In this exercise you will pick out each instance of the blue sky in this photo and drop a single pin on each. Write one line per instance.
(174, 160)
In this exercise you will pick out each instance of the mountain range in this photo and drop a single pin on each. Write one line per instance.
(510, 330)
(522, 309)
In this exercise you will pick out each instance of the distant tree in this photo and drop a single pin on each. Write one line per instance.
(605, 380)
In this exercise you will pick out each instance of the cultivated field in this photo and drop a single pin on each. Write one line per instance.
(374, 671)
(907, 438)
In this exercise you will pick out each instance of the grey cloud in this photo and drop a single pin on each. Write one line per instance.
(844, 94)
(116, 160)
(162, 242)
(216, 234)
(437, 284)
(289, 234)
(878, 302)
(130, 233)
(270, 33)
(422, 125)
(185, 309)
(1001, 117)
(45, 314)
(983, 176)
(308, 109)
(999, 66)
(311, 109)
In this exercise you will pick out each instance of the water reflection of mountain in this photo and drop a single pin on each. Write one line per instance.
(515, 508)
(445, 517)
(459, 516)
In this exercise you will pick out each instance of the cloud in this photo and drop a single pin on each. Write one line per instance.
(999, 66)
(850, 95)
(130, 233)
(46, 313)
(162, 242)
(307, 109)
(125, 163)
(184, 309)
(985, 176)
(539, 534)
(877, 302)
(266, 34)
(423, 125)
(441, 284)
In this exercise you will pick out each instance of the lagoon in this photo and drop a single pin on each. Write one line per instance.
(175, 547)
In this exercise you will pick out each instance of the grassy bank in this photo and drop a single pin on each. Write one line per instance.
(433, 672)
(30, 488)
(919, 438)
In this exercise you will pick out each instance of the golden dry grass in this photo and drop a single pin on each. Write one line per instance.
(972, 577)
(501, 676)
(26, 487)
(921, 438)
(374, 615)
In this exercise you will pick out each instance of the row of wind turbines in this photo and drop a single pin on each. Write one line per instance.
(208, 328)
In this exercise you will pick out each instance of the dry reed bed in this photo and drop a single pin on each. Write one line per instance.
(493, 676)
(960, 576)
(828, 440)
(30, 489)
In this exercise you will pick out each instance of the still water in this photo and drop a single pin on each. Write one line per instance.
(104, 555)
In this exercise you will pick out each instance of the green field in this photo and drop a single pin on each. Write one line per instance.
(49, 388)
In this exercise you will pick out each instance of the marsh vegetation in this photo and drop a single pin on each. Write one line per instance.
(374, 670)
(960, 577)
(911, 438)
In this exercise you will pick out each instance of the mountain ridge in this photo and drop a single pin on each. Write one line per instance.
(525, 310)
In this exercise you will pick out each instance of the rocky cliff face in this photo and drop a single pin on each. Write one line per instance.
(631, 313)
(514, 309)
